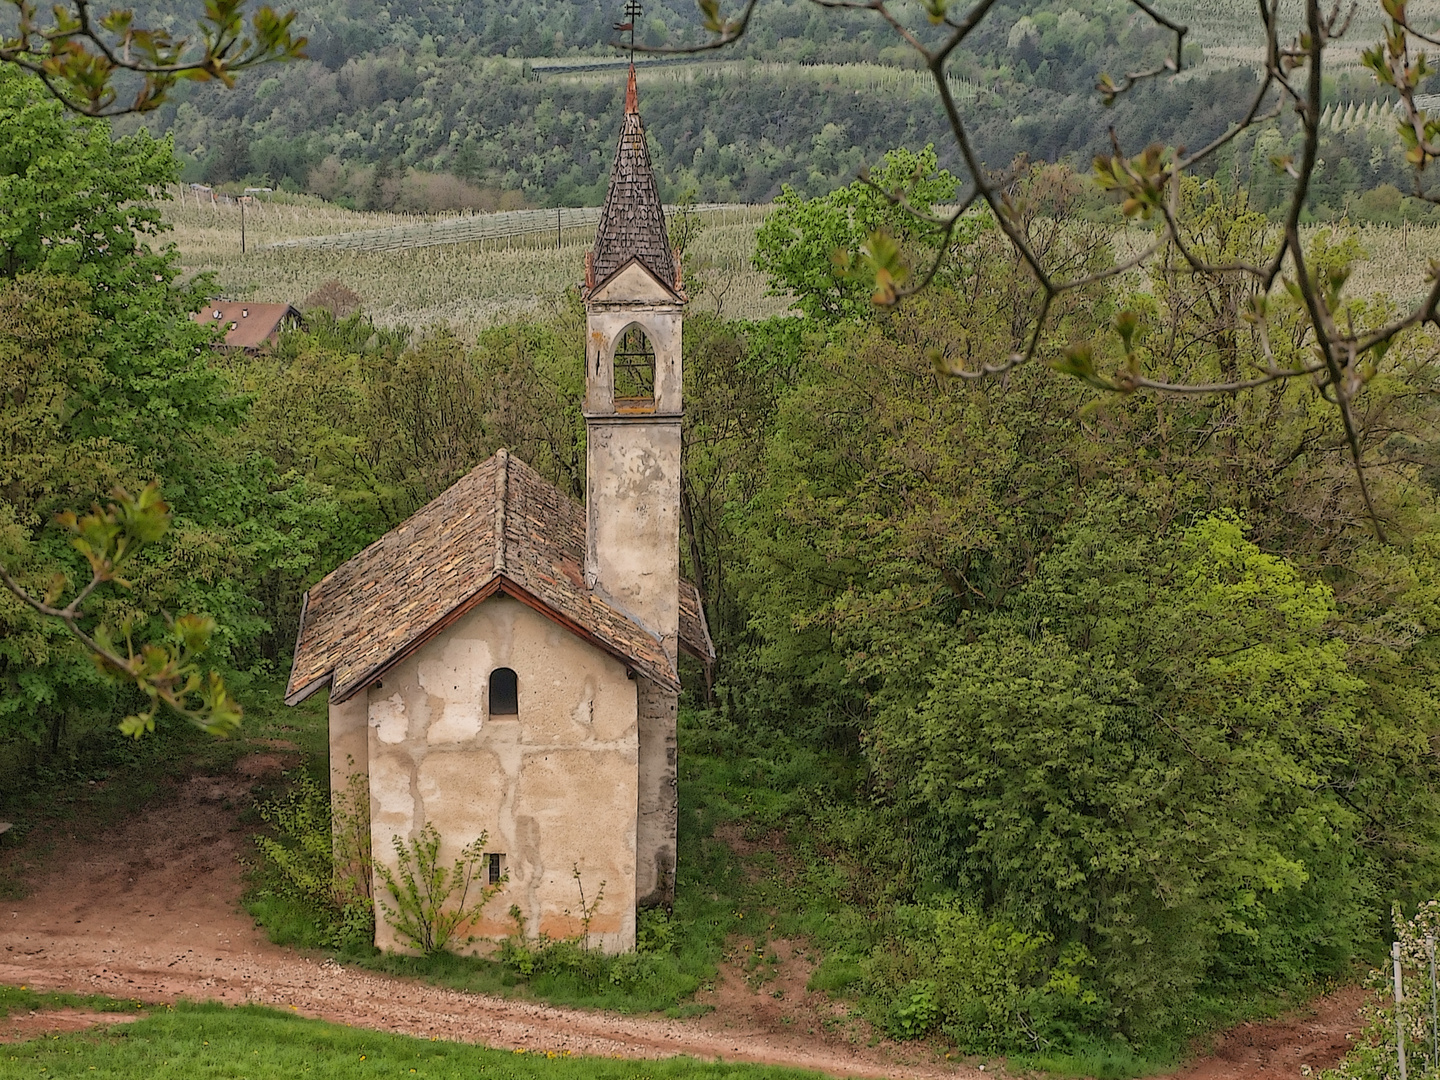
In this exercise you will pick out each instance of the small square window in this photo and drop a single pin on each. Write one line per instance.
(495, 859)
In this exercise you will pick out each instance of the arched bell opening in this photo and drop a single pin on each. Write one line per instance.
(634, 369)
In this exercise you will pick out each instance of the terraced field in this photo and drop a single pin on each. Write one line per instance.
(464, 271)
(467, 272)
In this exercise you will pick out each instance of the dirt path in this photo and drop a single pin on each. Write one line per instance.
(150, 911)
(1316, 1039)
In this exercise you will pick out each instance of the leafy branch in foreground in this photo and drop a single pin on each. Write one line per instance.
(167, 672)
(1343, 357)
(78, 55)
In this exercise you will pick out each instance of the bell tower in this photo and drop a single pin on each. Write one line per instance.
(634, 304)
(633, 310)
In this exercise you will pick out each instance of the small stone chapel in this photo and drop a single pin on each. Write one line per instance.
(505, 661)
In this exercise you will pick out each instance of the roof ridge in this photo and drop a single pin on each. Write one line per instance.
(502, 485)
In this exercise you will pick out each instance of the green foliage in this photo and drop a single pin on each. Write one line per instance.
(1037, 762)
(166, 671)
(914, 1012)
(79, 204)
(319, 857)
(655, 931)
(301, 868)
(1056, 721)
(807, 246)
(1118, 686)
(851, 91)
(83, 59)
(988, 984)
(423, 887)
(105, 382)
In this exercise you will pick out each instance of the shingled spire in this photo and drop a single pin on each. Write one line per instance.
(632, 222)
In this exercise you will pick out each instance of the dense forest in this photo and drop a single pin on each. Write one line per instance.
(428, 90)
(1082, 712)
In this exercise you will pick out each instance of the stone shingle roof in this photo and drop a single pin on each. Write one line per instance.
(502, 528)
(632, 221)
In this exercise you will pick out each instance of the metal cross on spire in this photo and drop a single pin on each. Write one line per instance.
(633, 12)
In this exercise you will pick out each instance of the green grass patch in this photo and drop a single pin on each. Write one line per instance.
(1100, 1059)
(23, 999)
(836, 974)
(561, 973)
(268, 718)
(286, 920)
(199, 1042)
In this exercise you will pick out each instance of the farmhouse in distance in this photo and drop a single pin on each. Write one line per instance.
(505, 662)
(248, 325)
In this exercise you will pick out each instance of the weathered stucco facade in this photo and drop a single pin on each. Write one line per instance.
(555, 784)
(581, 776)
(581, 610)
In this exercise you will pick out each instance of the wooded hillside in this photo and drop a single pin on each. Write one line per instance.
(803, 100)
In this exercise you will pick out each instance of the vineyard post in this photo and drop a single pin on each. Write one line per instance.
(557, 228)
(1434, 1009)
(1399, 1013)
(242, 200)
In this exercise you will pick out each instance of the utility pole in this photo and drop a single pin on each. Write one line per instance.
(1434, 1008)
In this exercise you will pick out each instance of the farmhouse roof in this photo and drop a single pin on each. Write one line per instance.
(632, 221)
(250, 325)
(502, 528)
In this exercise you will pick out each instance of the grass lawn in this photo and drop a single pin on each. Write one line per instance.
(197, 1042)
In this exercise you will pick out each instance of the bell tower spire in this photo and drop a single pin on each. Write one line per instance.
(633, 312)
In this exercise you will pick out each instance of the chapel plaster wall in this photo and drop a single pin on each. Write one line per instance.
(349, 741)
(556, 786)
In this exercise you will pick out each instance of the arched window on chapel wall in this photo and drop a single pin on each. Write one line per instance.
(504, 692)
